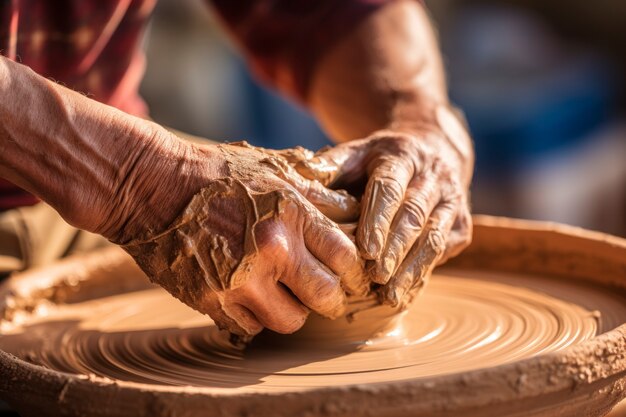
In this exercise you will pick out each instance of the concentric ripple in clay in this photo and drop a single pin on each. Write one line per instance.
(460, 323)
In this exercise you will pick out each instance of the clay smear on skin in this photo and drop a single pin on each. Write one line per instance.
(460, 323)
(212, 248)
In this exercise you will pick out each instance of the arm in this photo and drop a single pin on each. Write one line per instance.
(387, 72)
(385, 82)
(85, 158)
(371, 69)
(224, 228)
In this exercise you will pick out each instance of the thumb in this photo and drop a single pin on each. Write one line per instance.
(343, 163)
(325, 166)
(337, 205)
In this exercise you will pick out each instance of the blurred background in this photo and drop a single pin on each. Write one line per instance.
(543, 86)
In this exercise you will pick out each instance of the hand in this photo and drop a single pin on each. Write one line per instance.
(250, 250)
(415, 205)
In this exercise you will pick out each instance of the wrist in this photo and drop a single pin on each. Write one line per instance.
(166, 173)
(436, 122)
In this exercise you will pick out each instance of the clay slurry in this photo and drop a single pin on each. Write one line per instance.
(459, 324)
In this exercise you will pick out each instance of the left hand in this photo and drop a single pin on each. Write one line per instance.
(414, 211)
(250, 248)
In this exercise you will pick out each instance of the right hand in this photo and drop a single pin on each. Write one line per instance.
(253, 250)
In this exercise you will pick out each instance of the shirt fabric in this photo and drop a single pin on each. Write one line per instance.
(95, 46)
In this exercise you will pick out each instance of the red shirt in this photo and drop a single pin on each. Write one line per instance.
(94, 46)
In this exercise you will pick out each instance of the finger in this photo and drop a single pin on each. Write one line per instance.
(326, 242)
(272, 305)
(383, 195)
(460, 236)
(293, 155)
(329, 164)
(316, 287)
(244, 317)
(422, 257)
(337, 205)
(230, 316)
(349, 229)
(421, 198)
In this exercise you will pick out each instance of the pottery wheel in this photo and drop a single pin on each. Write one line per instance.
(460, 323)
(518, 333)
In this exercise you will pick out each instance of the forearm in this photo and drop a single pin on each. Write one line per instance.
(82, 157)
(386, 72)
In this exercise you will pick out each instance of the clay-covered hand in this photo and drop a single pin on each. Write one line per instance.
(251, 249)
(414, 209)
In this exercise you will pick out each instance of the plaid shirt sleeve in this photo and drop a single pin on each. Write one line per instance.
(283, 39)
(91, 46)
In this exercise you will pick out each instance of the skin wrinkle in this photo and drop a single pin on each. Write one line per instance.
(274, 213)
(338, 204)
(406, 229)
(280, 168)
(322, 292)
(354, 281)
(89, 142)
(379, 102)
(151, 199)
(423, 257)
(90, 170)
(123, 184)
(398, 105)
(387, 191)
(395, 214)
(97, 159)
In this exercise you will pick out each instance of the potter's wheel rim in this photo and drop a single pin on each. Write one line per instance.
(578, 371)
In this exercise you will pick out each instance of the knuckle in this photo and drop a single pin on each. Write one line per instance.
(388, 188)
(395, 142)
(450, 186)
(414, 213)
(272, 241)
(405, 144)
(450, 203)
(338, 252)
(436, 241)
(397, 244)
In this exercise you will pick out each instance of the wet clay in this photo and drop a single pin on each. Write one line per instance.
(529, 321)
(463, 322)
(232, 232)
